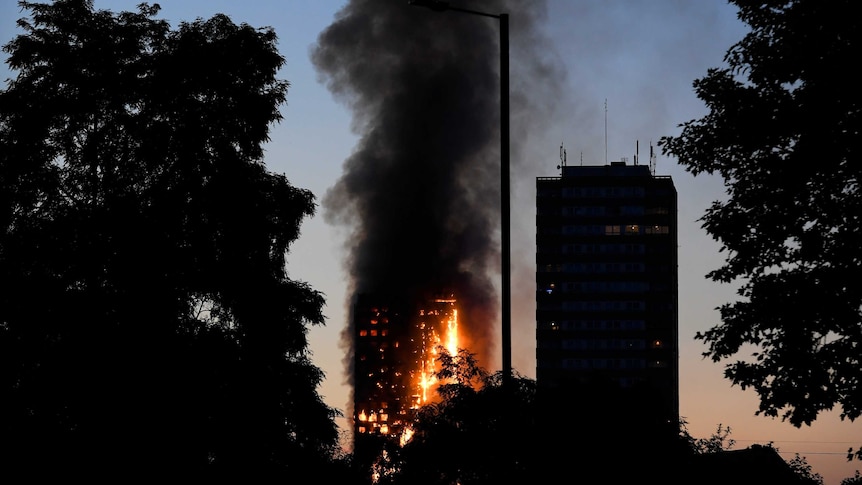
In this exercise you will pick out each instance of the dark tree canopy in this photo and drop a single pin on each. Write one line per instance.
(146, 319)
(783, 131)
(482, 431)
(466, 437)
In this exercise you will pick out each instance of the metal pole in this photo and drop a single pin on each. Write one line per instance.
(505, 202)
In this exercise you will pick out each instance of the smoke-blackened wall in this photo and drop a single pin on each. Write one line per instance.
(420, 195)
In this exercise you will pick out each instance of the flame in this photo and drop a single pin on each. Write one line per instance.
(431, 340)
(452, 333)
(406, 435)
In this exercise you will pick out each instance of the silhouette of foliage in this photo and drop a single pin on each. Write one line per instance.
(467, 437)
(147, 324)
(856, 479)
(800, 467)
(719, 441)
(783, 132)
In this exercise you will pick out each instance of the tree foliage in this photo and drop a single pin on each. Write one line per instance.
(783, 131)
(467, 437)
(147, 322)
(856, 479)
(799, 465)
(719, 441)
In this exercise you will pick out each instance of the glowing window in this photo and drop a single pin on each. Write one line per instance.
(363, 333)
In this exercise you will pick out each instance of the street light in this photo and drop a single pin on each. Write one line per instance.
(505, 203)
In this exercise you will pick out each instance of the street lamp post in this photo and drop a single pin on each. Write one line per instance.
(505, 201)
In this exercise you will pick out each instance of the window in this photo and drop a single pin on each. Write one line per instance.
(612, 230)
(632, 229)
(657, 230)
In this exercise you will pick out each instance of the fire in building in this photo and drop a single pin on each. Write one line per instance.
(606, 301)
(397, 343)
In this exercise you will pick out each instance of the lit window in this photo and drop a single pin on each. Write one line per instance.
(363, 333)
(632, 229)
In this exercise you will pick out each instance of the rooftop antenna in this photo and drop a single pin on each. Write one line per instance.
(606, 131)
(651, 159)
(582, 158)
(562, 156)
(637, 150)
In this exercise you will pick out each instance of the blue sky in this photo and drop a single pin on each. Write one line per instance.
(628, 68)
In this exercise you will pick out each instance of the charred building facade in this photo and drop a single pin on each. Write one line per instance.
(396, 346)
(606, 300)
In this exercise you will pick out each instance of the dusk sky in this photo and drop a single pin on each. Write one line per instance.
(618, 76)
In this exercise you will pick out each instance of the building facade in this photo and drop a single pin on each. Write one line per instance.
(606, 299)
(396, 344)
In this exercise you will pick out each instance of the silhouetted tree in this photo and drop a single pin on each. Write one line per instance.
(147, 325)
(719, 441)
(783, 131)
(856, 479)
(799, 465)
(480, 432)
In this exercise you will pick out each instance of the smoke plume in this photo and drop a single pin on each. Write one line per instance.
(420, 195)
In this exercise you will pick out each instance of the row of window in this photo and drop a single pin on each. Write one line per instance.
(373, 332)
(593, 324)
(632, 305)
(593, 268)
(576, 192)
(614, 249)
(603, 344)
(604, 210)
(611, 363)
(602, 306)
(597, 287)
(593, 249)
(604, 230)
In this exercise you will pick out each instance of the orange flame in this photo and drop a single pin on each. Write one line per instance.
(431, 339)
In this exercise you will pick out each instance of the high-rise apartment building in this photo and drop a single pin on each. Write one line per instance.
(606, 300)
(396, 343)
(381, 380)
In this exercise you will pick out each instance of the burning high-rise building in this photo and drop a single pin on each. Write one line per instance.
(396, 347)
(419, 196)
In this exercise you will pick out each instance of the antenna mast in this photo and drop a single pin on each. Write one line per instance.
(606, 131)
(651, 159)
(562, 157)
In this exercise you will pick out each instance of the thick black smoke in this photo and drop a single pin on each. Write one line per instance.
(420, 195)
